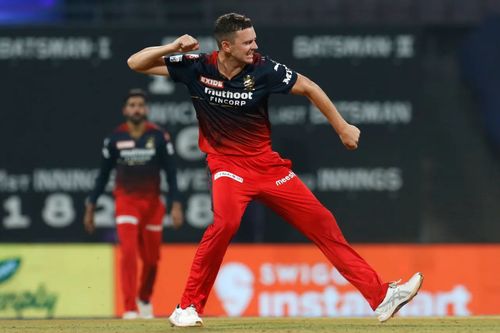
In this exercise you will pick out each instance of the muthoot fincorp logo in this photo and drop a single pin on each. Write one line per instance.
(19, 301)
(228, 97)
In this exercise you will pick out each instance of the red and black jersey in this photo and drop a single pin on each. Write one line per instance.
(138, 163)
(232, 114)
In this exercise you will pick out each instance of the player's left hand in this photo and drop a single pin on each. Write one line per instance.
(177, 215)
(350, 136)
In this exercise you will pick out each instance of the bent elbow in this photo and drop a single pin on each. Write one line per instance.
(132, 64)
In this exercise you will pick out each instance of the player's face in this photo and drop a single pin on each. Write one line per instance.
(135, 110)
(244, 45)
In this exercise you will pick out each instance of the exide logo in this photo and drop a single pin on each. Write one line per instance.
(212, 82)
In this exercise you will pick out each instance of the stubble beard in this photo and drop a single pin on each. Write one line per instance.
(137, 119)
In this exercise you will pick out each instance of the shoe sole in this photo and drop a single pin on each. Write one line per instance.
(197, 324)
(406, 301)
(146, 317)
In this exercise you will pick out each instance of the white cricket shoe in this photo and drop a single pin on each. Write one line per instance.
(185, 317)
(130, 315)
(145, 309)
(397, 296)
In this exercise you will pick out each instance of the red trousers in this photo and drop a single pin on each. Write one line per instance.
(268, 178)
(139, 226)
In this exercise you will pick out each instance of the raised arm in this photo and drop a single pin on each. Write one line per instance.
(150, 59)
(349, 134)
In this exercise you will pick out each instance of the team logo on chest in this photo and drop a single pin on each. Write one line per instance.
(150, 143)
(249, 83)
(213, 83)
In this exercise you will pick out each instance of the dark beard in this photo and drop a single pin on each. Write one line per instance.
(136, 119)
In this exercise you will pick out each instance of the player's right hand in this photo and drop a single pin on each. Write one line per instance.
(186, 43)
(88, 219)
(177, 215)
(350, 136)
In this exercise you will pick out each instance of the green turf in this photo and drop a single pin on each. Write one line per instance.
(257, 325)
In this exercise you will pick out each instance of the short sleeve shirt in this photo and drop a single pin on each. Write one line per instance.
(138, 161)
(232, 114)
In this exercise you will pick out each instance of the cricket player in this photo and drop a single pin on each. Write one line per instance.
(230, 89)
(138, 150)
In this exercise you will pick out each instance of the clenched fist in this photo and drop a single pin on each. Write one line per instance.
(186, 43)
(350, 136)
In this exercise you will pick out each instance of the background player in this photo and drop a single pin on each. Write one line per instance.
(230, 90)
(138, 150)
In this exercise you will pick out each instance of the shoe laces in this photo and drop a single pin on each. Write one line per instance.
(191, 310)
(394, 284)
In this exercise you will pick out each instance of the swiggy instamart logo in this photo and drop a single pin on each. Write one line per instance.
(234, 287)
(23, 299)
(317, 289)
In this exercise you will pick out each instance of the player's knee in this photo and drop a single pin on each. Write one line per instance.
(323, 216)
(151, 263)
(128, 250)
(151, 259)
(324, 223)
(229, 226)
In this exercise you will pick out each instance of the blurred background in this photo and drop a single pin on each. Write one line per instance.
(420, 78)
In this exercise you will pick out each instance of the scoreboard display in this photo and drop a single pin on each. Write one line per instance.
(63, 91)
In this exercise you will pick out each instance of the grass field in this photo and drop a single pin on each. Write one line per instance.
(258, 325)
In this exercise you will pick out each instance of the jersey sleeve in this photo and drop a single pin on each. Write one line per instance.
(181, 67)
(108, 162)
(280, 78)
(166, 154)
